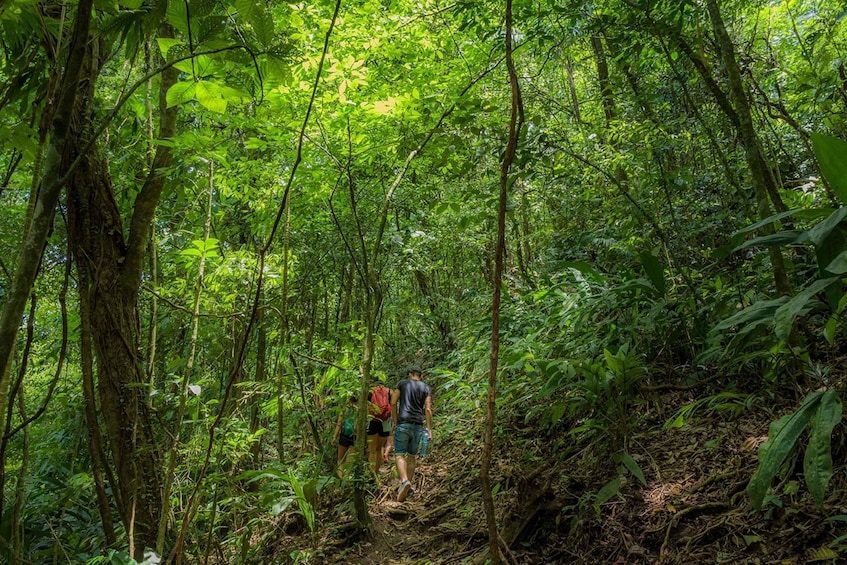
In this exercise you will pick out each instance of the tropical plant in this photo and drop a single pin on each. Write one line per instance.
(820, 412)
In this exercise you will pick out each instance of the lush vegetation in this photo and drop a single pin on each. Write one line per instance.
(220, 219)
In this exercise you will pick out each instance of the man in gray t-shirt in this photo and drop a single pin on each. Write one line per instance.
(411, 408)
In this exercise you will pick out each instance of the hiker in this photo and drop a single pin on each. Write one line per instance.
(411, 407)
(345, 430)
(379, 427)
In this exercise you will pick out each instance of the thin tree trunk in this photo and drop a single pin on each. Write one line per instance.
(752, 146)
(286, 334)
(55, 163)
(18, 530)
(572, 89)
(603, 79)
(440, 317)
(173, 453)
(261, 364)
(515, 116)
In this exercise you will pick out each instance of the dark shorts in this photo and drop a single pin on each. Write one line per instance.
(346, 441)
(407, 436)
(376, 427)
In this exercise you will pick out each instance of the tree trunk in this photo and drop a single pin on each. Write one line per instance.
(516, 116)
(95, 440)
(100, 252)
(752, 146)
(55, 163)
(112, 266)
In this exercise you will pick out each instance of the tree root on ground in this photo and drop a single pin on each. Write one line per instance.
(691, 510)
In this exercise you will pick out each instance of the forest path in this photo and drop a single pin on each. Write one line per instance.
(564, 499)
(439, 523)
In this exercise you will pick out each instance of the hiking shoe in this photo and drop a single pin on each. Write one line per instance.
(403, 491)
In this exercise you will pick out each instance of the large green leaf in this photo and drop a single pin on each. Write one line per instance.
(584, 268)
(780, 238)
(256, 14)
(817, 463)
(821, 231)
(785, 314)
(838, 266)
(632, 466)
(782, 436)
(653, 268)
(209, 95)
(606, 493)
(832, 156)
(767, 221)
(761, 310)
(181, 92)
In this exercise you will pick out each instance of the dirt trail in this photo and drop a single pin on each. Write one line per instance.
(438, 523)
(692, 509)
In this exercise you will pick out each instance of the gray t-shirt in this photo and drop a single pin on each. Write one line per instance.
(412, 403)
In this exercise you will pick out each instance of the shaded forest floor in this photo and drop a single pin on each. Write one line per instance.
(693, 508)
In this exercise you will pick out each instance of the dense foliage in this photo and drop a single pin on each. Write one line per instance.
(262, 207)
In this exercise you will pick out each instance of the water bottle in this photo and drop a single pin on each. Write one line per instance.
(424, 450)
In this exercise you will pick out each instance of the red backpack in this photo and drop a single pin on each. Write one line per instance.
(380, 407)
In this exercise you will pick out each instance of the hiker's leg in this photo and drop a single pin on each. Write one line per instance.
(380, 450)
(400, 461)
(373, 446)
(417, 433)
(410, 466)
(342, 451)
(374, 428)
(402, 439)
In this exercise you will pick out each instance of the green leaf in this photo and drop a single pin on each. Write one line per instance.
(782, 436)
(180, 93)
(817, 462)
(631, 466)
(584, 268)
(832, 156)
(829, 329)
(785, 314)
(821, 231)
(758, 311)
(609, 490)
(838, 266)
(256, 14)
(823, 554)
(165, 44)
(209, 96)
(780, 238)
(653, 268)
(768, 220)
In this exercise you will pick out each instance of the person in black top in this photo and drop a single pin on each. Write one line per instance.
(411, 407)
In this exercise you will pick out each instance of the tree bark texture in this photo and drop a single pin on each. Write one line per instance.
(95, 440)
(112, 267)
(100, 252)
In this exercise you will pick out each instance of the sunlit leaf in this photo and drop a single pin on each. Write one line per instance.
(180, 93)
